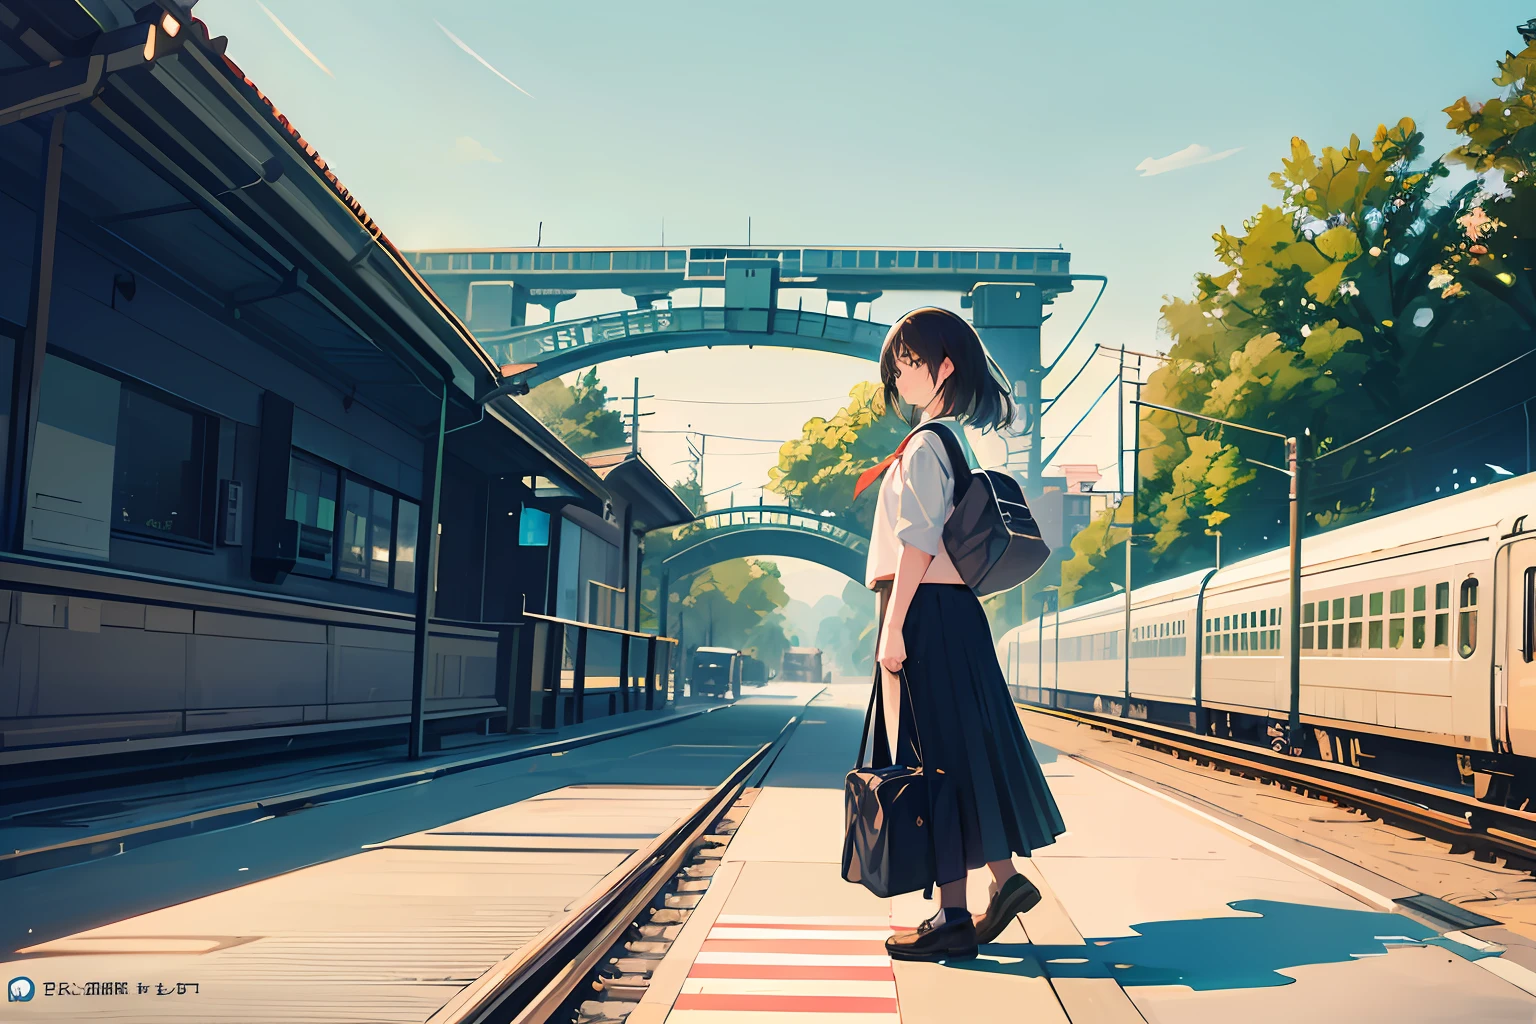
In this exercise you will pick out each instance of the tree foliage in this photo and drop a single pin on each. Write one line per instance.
(1356, 298)
(578, 414)
(817, 470)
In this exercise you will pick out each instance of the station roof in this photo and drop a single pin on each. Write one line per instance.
(184, 170)
(627, 474)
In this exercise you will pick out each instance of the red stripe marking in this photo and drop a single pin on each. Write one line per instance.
(792, 972)
(826, 947)
(792, 1004)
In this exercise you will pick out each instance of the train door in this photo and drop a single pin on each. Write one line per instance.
(1514, 673)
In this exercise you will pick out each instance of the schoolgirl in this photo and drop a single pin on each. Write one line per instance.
(988, 796)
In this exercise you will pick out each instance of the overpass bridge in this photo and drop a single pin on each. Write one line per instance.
(1007, 289)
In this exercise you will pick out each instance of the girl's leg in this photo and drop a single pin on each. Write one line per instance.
(1002, 870)
(952, 895)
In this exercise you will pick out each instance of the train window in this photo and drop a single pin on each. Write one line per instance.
(1306, 638)
(1306, 612)
(1467, 628)
(1226, 642)
(1373, 634)
(1226, 622)
(1418, 631)
(1528, 641)
(1322, 611)
(1356, 607)
(1395, 633)
(1418, 598)
(1244, 624)
(1399, 601)
(1442, 595)
(1243, 639)
(1274, 617)
(1338, 636)
(1356, 633)
(1442, 629)
(1376, 603)
(1274, 639)
(1338, 607)
(1264, 617)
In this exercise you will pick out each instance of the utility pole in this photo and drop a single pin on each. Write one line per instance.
(634, 417)
(1130, 498)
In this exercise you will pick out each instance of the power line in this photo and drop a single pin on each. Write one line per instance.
(724, 437)
(705, 401)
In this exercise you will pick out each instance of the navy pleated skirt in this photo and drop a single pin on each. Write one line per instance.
(988, 796)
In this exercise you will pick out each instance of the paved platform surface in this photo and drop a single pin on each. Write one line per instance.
(381, 908)
(1153, 912)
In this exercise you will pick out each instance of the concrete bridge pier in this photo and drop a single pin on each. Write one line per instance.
(646, 297)
(1009, 317)
(851, 300)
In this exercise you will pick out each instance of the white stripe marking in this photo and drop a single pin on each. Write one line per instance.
(781, 934)
(789, 987)
(854, 922)
(1520, 977)
(794, 959)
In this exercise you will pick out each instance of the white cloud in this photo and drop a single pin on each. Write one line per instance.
(1189, 156)
(469, 150)
(294, 39)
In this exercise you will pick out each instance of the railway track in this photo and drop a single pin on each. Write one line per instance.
(594, 965)
(1459, 819)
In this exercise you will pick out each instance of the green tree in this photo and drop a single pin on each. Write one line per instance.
(578, 414)
(817, 470)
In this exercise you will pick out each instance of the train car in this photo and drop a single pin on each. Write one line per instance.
(1418, 646)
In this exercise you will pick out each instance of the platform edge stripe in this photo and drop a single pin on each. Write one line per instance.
(1517, 975)
(828, 947)
(811, 934)
(884, 988)
(800, 1004)
(668, 976)
(1348, 885)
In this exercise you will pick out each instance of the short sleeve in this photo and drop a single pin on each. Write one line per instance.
(924, 496)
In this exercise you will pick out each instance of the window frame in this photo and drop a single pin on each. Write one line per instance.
(343, 477)
(207, 525)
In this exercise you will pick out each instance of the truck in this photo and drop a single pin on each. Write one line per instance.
(801, 665)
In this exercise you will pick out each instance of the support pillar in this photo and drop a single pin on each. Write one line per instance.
(1009, 317)
(426, 575)
(30, 352)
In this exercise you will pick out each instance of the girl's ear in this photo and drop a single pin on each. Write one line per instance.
(945, 369)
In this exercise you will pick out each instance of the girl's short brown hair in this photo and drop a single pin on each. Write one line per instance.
(975, 392)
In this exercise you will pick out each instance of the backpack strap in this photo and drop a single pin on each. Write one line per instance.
(957, 462)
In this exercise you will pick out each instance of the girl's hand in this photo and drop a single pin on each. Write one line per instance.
(893, 650)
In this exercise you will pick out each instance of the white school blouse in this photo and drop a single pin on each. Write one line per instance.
(916, 497)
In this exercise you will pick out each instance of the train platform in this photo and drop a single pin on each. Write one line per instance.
(1153, 910)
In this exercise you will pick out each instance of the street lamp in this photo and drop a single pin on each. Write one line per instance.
(1293, 460)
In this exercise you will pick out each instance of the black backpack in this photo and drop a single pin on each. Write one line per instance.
(991, 536)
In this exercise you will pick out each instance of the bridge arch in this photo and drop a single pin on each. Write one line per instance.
(570, 345)
(757, 530)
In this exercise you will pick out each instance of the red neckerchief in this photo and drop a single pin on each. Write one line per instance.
(872, 474)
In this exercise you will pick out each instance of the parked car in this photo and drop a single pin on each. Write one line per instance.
(753, 671)
(801, 665)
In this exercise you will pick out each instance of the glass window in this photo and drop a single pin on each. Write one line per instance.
(1356, 607)
(925, 260)
(1322, 611)
(1306, 612)
(1226, 642)
(1442, 595)
(866, 259)
(479, 261)
(1245, 621)
(965, 261)
(1467, 627)
(407, 522)
(533, 528)
(367, 528)
(1243, 640)
(1528, 631)
(986, 260)
(1306, 638)
(1376, 602)
(1274, 639)
(1373, 635)
(1338, 607)
(1418, 599)
(312, 503)
(1355, 633)
(1264, 617)
(1395, 633)
(562, 261)
(946, 260)
(1398, 601)
(1226, 622)
(1418, 632)
(1322, 638)
(1338, 636)
(162, 468)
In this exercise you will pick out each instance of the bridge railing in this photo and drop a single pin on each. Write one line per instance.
(764, 515)
(527, 344)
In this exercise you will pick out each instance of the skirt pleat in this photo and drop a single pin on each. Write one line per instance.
(988, 796)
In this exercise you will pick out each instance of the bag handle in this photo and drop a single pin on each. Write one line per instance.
(958, 466)
(869, 717)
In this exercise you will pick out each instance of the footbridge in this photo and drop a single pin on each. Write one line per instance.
(764, 530)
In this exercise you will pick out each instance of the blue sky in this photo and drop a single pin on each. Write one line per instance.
(1003, 123)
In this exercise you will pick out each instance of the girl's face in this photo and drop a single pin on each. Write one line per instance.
(915, 383)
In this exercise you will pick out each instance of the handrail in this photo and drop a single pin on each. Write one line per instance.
(601, 629)
(663, 321)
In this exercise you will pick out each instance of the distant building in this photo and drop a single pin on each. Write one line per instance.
(1069, 503)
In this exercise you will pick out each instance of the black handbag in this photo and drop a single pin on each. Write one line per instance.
(888, 845)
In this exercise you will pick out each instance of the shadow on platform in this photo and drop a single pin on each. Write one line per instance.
(1222, 952)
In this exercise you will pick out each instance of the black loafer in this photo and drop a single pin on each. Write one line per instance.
(1017, 896)
(953, 940)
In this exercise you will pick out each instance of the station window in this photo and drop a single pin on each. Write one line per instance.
(1467, 627)
(375, 540)
(164, 467)
(367, 533)
(312, 486)
(407, 522)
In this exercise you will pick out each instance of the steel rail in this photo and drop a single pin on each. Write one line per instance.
(1457, 817)
(536, 981)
